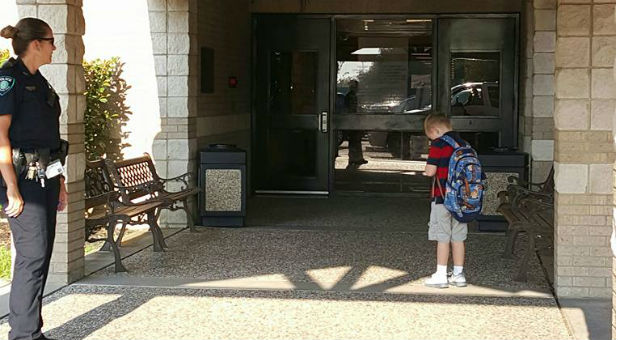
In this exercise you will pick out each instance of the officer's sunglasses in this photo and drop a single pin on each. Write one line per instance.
(51, 40)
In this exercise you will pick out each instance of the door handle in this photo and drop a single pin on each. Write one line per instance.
(323, 121)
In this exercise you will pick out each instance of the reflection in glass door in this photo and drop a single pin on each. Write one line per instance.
(388, 74)
(477, 79)
(291, 105)
(475, 84)
(383, 92)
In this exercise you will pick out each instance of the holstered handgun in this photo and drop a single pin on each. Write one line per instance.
(62, 152)
(43, 157)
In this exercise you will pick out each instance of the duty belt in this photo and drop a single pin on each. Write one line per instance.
(34, 162)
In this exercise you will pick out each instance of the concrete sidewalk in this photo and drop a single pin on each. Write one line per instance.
(256, 283)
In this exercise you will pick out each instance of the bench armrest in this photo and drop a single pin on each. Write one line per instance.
(184, 179)
(110, 199)
(523, 183)
(517, 190)
(537, 202)
(516, 194)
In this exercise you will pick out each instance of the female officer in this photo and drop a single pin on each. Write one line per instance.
(29, 130)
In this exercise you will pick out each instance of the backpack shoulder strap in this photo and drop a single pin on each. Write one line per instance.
(450, 141)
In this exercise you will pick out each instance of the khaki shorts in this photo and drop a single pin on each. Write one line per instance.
(443, 227)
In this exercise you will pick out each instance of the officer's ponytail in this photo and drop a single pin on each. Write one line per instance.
(26, 30)
(8, 32)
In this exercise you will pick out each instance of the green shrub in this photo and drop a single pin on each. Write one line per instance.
(5, 262)
(4, 55)
(106, 112)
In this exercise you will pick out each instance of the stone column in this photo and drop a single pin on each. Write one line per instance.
(66, 75)
(526, 74)
(541, 122)
(584, 114)
(614, 297)
(173, 25)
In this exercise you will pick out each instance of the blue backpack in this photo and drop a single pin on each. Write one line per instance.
(465, 184)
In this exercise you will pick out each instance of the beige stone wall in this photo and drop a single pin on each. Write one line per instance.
(536, 124)
(224, 115)
(66, 75)
(173, 26)
(526, 73)
(614, 283)
(584, 116)
(190, 119)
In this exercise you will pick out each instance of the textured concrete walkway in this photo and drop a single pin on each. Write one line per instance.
(90, 312)
(255, 283)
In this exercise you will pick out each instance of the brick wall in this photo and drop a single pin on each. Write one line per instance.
(614, 272)
(536, 124)
(173, 26)
(190, 119)
(584, 155)
(224, 115)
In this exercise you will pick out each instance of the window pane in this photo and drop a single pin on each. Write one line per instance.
(292, 152)
(384, 66)
(381, 161)
(293, 82)
(475, 87)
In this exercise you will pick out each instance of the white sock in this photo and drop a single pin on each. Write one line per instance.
(457, 270)
(441, 270)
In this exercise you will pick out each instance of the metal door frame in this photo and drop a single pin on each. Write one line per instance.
(254, 134)
(333, 81)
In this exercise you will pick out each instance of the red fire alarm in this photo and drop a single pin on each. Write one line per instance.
(232, 82)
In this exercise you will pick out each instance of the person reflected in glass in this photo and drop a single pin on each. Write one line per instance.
(355, 148)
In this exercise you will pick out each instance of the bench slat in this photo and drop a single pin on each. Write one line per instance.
(140, 171)
(101, 196)
(527, 211)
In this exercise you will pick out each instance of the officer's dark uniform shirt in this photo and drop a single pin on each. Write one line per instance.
(33, 105)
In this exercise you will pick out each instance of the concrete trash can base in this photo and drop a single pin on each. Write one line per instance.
(222, 178)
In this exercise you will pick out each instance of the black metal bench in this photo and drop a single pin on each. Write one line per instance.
(141, 183)
(106, 209)
(529, 211)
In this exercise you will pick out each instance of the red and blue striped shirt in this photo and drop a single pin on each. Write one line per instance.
(439, 155)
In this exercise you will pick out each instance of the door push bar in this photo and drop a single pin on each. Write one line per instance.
(323, 121)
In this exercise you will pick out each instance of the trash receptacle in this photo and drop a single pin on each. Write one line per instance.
(499, 166)
(224, 186)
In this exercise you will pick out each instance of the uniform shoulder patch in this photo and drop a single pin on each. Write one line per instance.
(6, 84)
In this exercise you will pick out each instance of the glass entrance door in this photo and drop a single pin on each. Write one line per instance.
(383, 92)
(477, 79)
(388, 73)
(291, 98)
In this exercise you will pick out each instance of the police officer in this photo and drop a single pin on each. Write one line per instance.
(29, 142)
(355, 148)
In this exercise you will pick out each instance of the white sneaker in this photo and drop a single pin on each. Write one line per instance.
(437, 281)
(458, 280)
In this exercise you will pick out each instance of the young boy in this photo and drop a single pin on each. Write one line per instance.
(443, 228)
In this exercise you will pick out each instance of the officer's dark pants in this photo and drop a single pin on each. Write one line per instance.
(355, 150)
(33, 234)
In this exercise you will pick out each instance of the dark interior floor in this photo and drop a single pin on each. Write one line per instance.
(341, 212)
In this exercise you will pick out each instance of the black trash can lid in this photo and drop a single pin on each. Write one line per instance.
(222, 146)
(223, 154)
